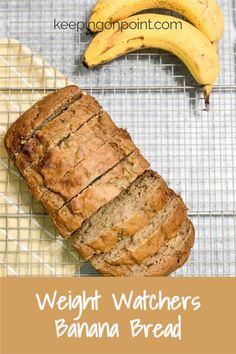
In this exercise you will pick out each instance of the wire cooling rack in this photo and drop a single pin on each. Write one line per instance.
(152, 95)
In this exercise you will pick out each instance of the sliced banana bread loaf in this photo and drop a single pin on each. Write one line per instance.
(96, 186)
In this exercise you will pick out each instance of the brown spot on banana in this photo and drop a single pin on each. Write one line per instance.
(203, 2)
(106, 49)
(141, 38)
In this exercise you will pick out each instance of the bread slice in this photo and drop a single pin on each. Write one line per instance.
(170, 256)
(38, 116)
(123, 216)
(55, 132)
(71, 216)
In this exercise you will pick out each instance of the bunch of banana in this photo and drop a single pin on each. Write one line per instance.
(195, 44)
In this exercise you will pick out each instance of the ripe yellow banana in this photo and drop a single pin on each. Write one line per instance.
(188, 43)
(206, 15)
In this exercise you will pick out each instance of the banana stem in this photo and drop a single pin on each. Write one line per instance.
(207, 92)
(85, 64)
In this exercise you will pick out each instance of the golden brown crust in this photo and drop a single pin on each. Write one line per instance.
(70, 217)
(46, 109)
(58, 130)
(57, 162)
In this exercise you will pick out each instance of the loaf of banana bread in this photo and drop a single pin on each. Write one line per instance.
(97, 187)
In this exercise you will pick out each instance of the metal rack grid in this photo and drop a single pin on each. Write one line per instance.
(152, 95)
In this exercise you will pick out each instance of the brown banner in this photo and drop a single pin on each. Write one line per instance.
(103, 315)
